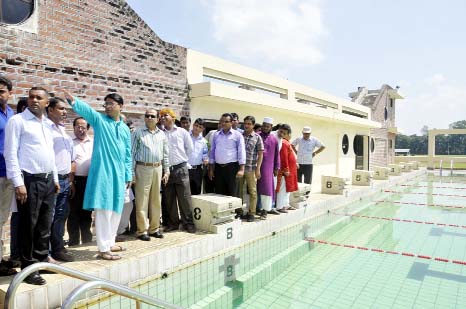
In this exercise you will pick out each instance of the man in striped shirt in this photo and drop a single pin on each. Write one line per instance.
(151, 167)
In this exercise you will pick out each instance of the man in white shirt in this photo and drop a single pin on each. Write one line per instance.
(305, 149)
(64, 159)
(80, 220)
(199, 158)
(30, 163)
(177, 189)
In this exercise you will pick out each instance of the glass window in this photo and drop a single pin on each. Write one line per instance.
(14, 12)
(345, 144)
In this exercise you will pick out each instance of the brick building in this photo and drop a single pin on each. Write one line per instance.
(382, 104)
(91, 48)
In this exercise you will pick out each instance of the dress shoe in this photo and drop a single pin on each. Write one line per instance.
(170, 228)
(250, 218)
(156, 234)
(35, 279)
(63, 256)
(263, 214)
(191, 229)
(273, 212)
(120, 238)
(283, 211)
(144, 237)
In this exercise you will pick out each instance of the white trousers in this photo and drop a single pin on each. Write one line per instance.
(106, 225)
(283, 197)
(266, 202)
(127, 209)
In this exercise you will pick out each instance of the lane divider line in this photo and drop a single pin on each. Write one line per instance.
(434, 187)
(421, 204)
(408, 254)
(425, 193)
(402, 220)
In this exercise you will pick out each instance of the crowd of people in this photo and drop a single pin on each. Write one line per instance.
(49, 179)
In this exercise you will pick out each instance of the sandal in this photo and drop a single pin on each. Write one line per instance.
(117, 248)
(108, 256)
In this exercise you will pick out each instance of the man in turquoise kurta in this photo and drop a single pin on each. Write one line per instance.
(110, 171)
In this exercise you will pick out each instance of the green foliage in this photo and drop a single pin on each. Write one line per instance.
(444, 144)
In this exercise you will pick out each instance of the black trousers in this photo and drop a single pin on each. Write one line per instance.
(306, 171)
(178, 197)
(209, 185)
(195, 180)
(79, 220)
(35, 219)
(225, 179)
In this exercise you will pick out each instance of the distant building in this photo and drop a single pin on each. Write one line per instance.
(382, 105)
(403, 152)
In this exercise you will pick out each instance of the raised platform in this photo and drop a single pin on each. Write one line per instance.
(144, 261)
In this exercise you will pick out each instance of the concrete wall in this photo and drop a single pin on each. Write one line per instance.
(211, 99)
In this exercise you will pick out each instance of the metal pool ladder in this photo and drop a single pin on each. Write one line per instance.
(92, 283)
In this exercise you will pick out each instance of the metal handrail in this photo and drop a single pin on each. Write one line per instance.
(75, 295)
(105, 285)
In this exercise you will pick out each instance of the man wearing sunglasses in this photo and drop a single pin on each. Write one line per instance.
(150, 165)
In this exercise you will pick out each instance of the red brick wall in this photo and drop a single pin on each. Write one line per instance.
(91, 48)
(94, 47)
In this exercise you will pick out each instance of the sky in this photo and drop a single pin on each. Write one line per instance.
(335, 46)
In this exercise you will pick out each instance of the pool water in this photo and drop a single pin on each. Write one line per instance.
(330, 276)
(292, 269)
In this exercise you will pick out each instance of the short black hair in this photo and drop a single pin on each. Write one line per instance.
(38, 88)
(286, 127)
(114, 96)
(257, 126)
(22, 103)
(227, 115)
(250, 118)
(53, 101)
(5, 81)
(276, 127)
(200, 121)
(185, 118)
(79, 118)
(234, 115)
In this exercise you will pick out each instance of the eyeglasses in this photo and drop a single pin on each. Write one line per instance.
(150, 116)
(109, 104)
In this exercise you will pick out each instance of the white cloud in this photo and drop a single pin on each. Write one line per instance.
(435, 102)
(277, 32)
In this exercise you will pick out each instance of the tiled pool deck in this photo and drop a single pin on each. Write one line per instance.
(144, 261)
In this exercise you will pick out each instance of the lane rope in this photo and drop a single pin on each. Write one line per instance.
(408, 254)
(422, 204)
(425, 193)
(434, 187)
(403, 220)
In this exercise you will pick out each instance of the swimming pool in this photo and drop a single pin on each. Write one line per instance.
(378, 252)
(332, 275)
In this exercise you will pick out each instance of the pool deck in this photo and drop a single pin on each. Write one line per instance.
(144, 261)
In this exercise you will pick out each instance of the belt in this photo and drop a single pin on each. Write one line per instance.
(195, 167)
(39, 175)
(174, 167)
(157, 164)
(63, 176)
(226, 164)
